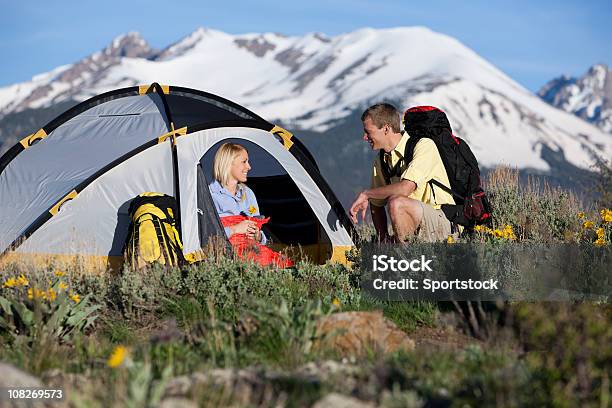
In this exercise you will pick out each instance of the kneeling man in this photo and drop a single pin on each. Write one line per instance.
(402, 185)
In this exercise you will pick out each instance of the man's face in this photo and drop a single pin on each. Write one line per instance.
(374, 136)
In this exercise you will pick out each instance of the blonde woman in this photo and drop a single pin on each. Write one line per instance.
(229, 193)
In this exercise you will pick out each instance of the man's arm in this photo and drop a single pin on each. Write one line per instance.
(360, 205)
(402, 188)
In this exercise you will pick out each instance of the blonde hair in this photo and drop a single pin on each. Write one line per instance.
(223, 161)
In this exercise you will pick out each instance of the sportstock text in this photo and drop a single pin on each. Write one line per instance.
(385, 263)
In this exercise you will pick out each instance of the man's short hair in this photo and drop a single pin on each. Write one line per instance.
(383, 114)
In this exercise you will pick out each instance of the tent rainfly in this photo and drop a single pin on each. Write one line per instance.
(65, 190)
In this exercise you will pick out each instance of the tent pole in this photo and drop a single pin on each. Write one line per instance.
(175, 167)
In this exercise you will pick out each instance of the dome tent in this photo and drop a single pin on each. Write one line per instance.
(65, 190)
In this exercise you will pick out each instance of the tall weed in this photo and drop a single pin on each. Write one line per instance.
(536, 211)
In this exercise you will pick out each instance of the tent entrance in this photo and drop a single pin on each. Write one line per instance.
(293, 225)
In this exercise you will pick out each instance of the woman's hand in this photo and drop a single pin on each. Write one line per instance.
(249, 228)
(254, 233)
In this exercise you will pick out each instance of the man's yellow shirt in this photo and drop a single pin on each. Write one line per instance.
(426, 164)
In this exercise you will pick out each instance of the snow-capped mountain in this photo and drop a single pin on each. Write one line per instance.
(66, 82)
(316, 82)
(588, 97)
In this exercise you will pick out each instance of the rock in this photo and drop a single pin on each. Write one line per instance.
(179, 386)
(11, 376)
(177, 403)
(233, 386)
(327, 370)
(59, 379)
(335, 400)
(260, 386)
(356, 333)
(256, 386)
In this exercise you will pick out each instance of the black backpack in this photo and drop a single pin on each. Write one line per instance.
(472, 206)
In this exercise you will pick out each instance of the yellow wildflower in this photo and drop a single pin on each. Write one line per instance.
(22, 280)
(336, 302)
(483, 229)
(75, 297)
(59, 273)
(51, 295)
(252, 210)
(606, 215)
(63, 286)
(508, 233)
(581, 215)
(498, 234)
(450, 240)
(599, 242)
(600, 233)
(117, 357)
(36, 293)
(588, 225)
(9, 283)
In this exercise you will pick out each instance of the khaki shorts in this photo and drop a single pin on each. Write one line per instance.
(434, 227)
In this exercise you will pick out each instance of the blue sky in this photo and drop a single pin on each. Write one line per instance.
(532, 41)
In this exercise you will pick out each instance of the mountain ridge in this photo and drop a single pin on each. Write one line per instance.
(314, 83)
(589, 97)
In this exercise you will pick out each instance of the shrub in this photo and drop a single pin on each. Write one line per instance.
(566, 350)
(285, 335)
(27, 310)
(535, 211)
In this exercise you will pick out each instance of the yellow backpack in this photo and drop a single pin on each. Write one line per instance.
(153, 235)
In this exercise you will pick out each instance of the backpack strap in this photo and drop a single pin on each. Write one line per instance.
(388, 171)
(443, 187)
(409, 152)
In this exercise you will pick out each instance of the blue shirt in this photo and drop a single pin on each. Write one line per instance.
(243, 203)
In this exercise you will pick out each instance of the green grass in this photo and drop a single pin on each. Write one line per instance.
(118, 331)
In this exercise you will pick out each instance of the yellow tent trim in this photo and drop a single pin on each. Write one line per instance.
(98, 264)
(33, 138)
(88, 264)
(178, 132)
(145, 89)
(71, 195)
(317, 253)
(339, 254)
(283, 134)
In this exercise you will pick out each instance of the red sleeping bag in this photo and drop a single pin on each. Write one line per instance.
(248, 248)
